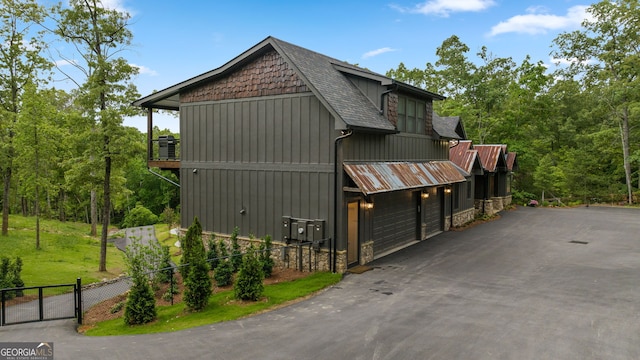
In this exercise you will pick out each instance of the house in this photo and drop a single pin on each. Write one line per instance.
(492, 168)
(340, 165)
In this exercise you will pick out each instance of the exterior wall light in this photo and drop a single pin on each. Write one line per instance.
(425, 195)
(447, 190)
(368, 205)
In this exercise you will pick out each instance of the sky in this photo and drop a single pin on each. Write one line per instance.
(177, 40)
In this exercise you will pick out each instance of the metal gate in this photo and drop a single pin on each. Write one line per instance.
(41, 303)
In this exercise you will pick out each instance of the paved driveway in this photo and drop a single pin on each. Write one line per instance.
(515, 288)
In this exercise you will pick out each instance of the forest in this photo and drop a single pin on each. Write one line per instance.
(66, 154)
(573, 126)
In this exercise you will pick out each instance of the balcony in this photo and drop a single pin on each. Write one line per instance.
(164, 153)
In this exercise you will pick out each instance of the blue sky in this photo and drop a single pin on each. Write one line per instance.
(176, 40)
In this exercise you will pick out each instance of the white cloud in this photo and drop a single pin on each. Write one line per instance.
(537, 21)
(445, 7)
(145, 70)
(377, 52)
(65, 62)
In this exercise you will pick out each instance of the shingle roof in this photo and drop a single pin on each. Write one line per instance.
(340, 94)
(446, 126)
(324, 75)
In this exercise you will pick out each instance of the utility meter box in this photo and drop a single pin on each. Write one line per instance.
(286, 229)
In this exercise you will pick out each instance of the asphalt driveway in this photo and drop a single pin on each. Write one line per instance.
(535, 284)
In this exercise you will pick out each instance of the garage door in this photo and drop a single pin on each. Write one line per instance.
(432, 214)
(395, 220)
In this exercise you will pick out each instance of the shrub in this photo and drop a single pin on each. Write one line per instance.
(141, 304)
(224, 270)
(198, 284)
(191, 244)
(213, 256)
(236, 252)
(248, 284)
(169, 217)
(10, 276)
(140, 307)
(166, 267)
(265, 256)
(139, 216)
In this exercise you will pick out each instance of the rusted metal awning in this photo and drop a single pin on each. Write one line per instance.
(379, 177)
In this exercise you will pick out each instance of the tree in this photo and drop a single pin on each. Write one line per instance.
(606, 54)
(140, 307)
(38, 137)
(213, 255)
(198, 282)
(265, 256)
(191, 245)
(248, 284)
(100, 35)
(194, 260)
(236, 252)
(20, 63)
(224, 270)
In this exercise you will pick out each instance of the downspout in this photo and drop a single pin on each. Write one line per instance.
(333, 245)
(382, 99)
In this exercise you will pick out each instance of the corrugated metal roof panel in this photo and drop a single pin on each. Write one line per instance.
(491, 156)
(372, 178)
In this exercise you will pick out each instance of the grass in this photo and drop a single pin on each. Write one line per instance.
(67, 252)
(222, 307)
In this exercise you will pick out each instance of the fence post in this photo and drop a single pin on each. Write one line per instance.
(40, 304)
(3, 314)
(79, 300)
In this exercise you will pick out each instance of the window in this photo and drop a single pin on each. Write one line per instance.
(411, 115)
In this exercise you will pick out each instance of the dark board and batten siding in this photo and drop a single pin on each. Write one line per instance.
(398, 147)
(255, 154)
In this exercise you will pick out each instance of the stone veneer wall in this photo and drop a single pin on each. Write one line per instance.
(463, 217)
(493, 206)
(366, 253)
(319, 259)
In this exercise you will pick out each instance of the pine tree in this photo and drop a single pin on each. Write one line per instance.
(141, 304)
(248, 284)
(191, 243)
(224, 270)
(198, 283)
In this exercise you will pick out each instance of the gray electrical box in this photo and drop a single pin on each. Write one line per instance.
(318, 229)
(286, 229)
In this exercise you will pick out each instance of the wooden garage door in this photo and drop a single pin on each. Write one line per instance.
(395, 220)
(432, 213)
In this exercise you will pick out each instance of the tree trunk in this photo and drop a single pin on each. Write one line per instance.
(5, 201)
(626, 156)
(105, 212)
(94, 213)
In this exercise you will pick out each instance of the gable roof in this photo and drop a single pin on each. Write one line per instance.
(447, 127)
(324, 76)
(492, 157)
(512, 163)
(465, 157)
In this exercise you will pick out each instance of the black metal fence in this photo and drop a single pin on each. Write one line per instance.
(41, 303)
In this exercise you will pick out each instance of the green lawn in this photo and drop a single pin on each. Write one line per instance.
(222, 307)
(66, 252)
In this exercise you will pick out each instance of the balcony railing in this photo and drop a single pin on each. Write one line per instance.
(164, 152)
